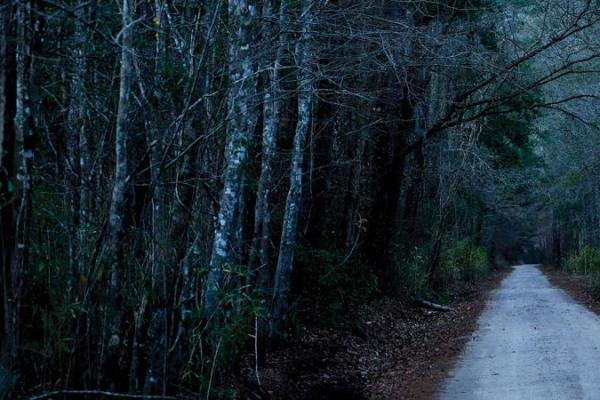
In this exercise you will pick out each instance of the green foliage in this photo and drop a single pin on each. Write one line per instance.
(466, 261)
(508, 133)
(412, 271)
(7, 382)
(238, 308)
(463, 262)
(489, 40)
(446, 276)
(216, 343)
(573, 178)
(585, 261)
(331, 283)
(53, 310)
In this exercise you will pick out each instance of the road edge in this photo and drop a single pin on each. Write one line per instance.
(431, 382)
(577, 286)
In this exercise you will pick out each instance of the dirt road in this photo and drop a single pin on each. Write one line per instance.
(533, 342)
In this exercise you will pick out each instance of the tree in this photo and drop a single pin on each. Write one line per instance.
(241, 121)
(24, 153)
(259, 260)
(285, 260)
(176, 175)
(116, 213)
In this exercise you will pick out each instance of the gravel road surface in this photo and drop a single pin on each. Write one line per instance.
(533, 342)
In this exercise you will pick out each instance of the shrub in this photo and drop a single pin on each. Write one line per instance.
(463, 261)
(332, 283)
(596, 286)
(447, 274)
(7, 382)
(212, 351)
(466, 261)
(585, 261)
(412, 271)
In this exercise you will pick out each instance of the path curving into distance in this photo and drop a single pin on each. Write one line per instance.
(533, 343)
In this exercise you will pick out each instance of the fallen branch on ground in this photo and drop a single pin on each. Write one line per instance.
(433, 306)
(99, 393)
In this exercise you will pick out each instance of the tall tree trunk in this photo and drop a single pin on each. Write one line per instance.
(116, 212)
(354, 223)
(78, 180)
(261, 241)
(413, 191)
(85, 172)
(3, 34)
(24, 140)
(389, 154)
(6, 167)
(241, 120)
(155, 379)
(285, 261)
(259, 255)
(77, 152)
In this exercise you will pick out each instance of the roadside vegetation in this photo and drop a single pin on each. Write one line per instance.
(186, 186)
(586, 261)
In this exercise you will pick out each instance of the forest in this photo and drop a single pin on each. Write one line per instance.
(185, 185)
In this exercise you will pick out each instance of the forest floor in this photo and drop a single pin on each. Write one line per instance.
(394, 351)
(578, 286)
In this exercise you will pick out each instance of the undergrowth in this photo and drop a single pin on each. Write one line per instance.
(331, 283)
(462, 262)
(586, 261)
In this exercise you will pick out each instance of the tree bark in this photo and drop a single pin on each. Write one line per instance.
(161, 256)
(24, 140)
(285, 261)
(7, 172)
(259, 254)
(261, 242)
(240, 127)
(3, 34)
(114, 249)
(77, 174)
(4, 180)
(85, 171)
